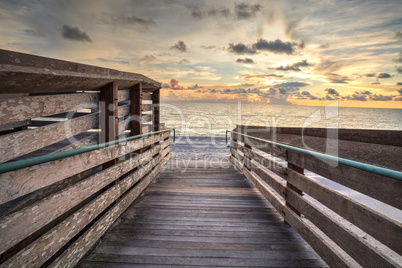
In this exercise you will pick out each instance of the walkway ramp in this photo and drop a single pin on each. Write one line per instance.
(201, 212)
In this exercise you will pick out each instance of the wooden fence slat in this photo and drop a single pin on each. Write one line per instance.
(146, 107)
(22, 142)
(381, 227)
(146, 96)
(354, 245)
(80, 247)
(381, 188)
(146, 118)
(330, 252)
(19, 225)
(43, 248)
(262, 146)
(123, 110)
(23, 108)
(146, 128)
(23, 181)
(123, 94)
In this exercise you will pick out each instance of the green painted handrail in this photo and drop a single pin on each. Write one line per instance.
(393, 174)
(11, 166)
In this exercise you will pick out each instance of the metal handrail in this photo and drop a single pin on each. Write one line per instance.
(11, 166)
(393, 174)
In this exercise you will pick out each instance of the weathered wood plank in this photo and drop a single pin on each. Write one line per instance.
(135, 109)
(146, 96)
(20, 224)
(379, 187)
(354, 245)
(123, 110)
(123, 94)
(42, 249)
(381, 227)
(22, 142)
(52, 75)
(156, 110)
(23, 108)
(146, 128)
(79, 248)
(146, 118)
(23, 181)
(146, 107)
(330, 252)
(265, 147)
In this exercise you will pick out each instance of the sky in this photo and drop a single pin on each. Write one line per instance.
(310, 52)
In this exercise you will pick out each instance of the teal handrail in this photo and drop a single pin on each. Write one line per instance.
(11, 166)
(393, 174)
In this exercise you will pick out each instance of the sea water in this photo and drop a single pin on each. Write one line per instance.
(212, 119)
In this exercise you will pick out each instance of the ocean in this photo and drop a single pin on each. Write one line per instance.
(212, 118)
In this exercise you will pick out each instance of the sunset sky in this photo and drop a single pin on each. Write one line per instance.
(278, 52)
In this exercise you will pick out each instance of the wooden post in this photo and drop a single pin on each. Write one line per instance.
(109, 118)
(156, 110)
(135, 109)
(294, 188)
(247, 159)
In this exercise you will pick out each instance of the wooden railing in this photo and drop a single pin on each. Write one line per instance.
(342, 230)
(58, 226)
(78, 144)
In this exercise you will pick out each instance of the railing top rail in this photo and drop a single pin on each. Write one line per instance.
(11, 166)
(393, 174)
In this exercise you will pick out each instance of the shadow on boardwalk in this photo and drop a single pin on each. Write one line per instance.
(201, 212)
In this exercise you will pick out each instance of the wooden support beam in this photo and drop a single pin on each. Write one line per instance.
(109, 119)
(156, 109)
(294, 188)
(135, 109)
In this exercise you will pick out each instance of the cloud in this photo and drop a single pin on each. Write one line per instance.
(246, 11)
(400, 91)
(147, 58)
(399, 70)
(332, 91)
(370, 75)
(183, 61)
(114, 61)
(399, 59)
(249, 77)
(172, 96)
(245, 60)
(240, 49)
(380, 97)
(336, 78)
(398, 35)
(399, 84)
(359, 95)
(324, 46)
(292, 85)
(196, 86)
(383, 75)
(36, 33)
(376, 83)
(14, 43)
(74, 34)
(293, 67)
(398, 98)
(277, 46)
(208, 47)
(134, 20)
(180, 46)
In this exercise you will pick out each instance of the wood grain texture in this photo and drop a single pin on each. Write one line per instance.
(23, 181)
(22, 142)
(123, 94)
(42, 249)
(79, 248)
(23, 108)
(204, 217)
(22, 223)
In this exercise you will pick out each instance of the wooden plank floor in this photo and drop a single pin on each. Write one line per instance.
(205, 215)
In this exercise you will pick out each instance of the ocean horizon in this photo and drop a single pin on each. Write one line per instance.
(195, 118)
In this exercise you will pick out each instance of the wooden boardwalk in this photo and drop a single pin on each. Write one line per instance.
(205, 215)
